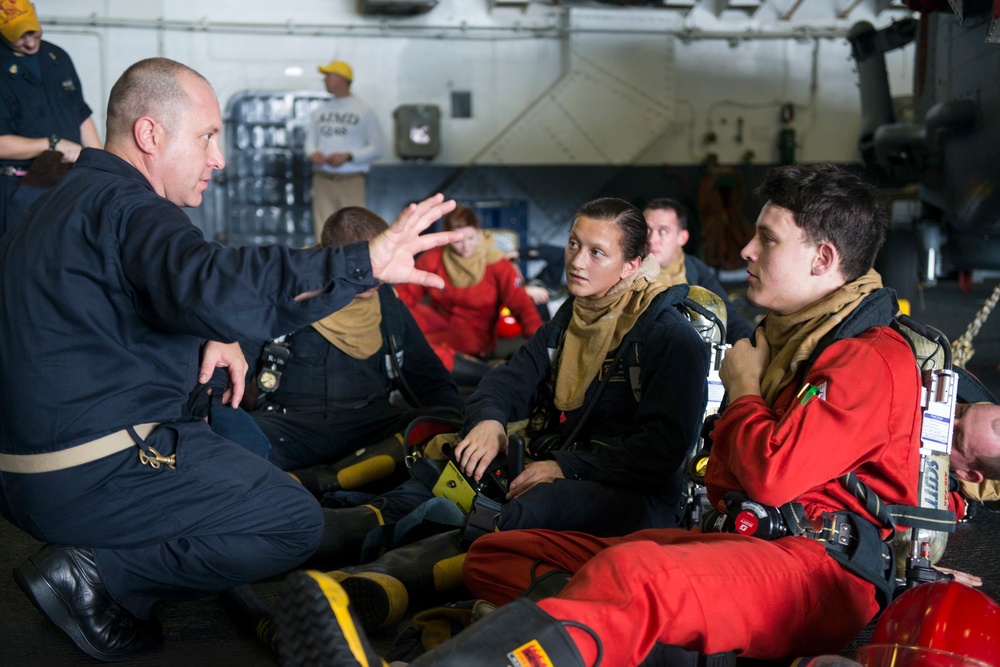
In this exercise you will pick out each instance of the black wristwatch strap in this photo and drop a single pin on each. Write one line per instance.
(53, 140)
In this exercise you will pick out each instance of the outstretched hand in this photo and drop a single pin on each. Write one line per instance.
(393, 250)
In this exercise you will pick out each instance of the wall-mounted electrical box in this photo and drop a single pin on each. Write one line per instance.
(418, 131)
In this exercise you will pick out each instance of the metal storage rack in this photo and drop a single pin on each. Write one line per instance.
(267, 177)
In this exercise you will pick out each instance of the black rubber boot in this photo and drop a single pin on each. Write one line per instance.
(364, 466)
(317, 626)
(254, 613)
(468, 371)
(344, 531)
(381, 590)
(546, 586)
(519, 633)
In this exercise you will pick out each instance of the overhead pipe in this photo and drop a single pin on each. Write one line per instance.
(463, 31)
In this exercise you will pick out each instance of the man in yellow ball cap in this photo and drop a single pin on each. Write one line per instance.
(41, 108)
(342, 140)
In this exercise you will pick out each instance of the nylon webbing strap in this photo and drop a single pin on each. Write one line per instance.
(482, 519)
(795, 518)
(873, 503)
(906, 515)
(923, 517)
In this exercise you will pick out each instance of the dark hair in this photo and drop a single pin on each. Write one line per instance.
(989, 466)
(832, 205)
(149, 87)
(668, 204)
(462, 216)
(350, 224)
(633, 236)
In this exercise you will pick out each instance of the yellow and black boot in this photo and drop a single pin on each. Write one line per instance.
(344, 531)
(519, 633)
(364, 466)
(381, 590)
(317, 627)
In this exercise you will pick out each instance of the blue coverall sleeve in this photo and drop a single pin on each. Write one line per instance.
(185, 284)
(507, 392)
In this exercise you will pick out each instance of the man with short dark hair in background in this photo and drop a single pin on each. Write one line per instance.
(667, 222)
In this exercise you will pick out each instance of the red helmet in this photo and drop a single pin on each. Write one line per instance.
(943, 624)
(507, 325)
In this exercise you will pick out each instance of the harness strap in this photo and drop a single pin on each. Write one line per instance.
(873, 503)
(923, 517)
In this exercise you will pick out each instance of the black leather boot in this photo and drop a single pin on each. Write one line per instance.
(317, 626)
(344, 531)
(364, 466)
(519, 633)
(63, 582)
(381, 590)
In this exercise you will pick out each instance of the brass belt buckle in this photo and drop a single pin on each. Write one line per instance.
(157, 458)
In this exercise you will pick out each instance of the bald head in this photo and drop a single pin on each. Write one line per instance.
(976, 447)
(152, 87)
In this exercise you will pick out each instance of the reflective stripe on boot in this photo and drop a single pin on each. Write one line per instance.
(364, 466)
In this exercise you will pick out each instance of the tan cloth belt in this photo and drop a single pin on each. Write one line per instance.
(75, 456)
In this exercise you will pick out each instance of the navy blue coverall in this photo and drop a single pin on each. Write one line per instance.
(332, 404)
(107, 293)
(35, 107)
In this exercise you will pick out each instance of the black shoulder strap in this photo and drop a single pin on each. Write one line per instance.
(558, 324)
(392, 321)
(970, 389)
(393, 336)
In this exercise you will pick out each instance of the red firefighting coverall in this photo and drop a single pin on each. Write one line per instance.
(464, 319)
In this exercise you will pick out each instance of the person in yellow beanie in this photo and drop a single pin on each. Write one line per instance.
(41, 109)
(342, 140)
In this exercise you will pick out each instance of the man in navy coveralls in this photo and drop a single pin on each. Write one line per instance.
(107, 296)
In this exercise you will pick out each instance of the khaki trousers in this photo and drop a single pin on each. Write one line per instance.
(332, 192)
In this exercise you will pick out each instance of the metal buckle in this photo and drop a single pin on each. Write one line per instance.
(157, 458)
(832, 531)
